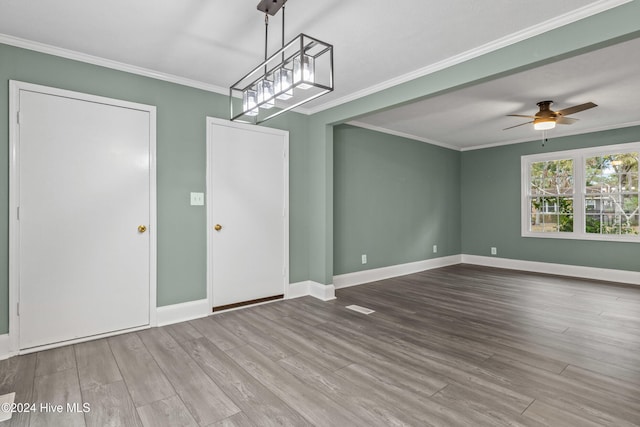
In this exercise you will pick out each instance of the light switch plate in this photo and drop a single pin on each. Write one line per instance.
(197, 199)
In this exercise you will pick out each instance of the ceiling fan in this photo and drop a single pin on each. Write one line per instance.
(547, 119)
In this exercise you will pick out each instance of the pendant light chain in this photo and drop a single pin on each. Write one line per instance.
(266, 36)
(283, 9)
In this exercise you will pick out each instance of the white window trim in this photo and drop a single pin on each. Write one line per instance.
(579, 157)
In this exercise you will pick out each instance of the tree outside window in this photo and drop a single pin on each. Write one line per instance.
(589, 193)
(551, 197)
(611, 199)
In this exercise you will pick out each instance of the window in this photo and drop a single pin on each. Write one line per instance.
(551, 196)
(582, 194)
(611, 196)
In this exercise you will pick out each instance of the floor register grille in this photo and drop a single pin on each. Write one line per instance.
(359, 309)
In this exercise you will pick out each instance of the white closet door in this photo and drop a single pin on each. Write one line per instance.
(248, 193)
(84, 190)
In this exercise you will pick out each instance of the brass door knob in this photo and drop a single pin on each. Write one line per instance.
(142, 228)
(217, 227)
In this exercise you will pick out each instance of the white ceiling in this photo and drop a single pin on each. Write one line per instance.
(212, 43)
(476, 116)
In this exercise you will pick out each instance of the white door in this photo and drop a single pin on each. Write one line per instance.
(248, 192)
(83, 172)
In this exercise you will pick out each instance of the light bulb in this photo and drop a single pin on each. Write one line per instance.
(265, 93)
(249, 102)
(303, 71)
(282, 83)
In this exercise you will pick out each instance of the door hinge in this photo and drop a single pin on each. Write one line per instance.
(18, 308)
(18, 117)
(18, 212)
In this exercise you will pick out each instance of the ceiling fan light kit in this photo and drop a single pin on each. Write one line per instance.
(544, 124)
(546, 118)
(302, 70)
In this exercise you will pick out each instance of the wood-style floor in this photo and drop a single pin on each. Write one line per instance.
(461, 345)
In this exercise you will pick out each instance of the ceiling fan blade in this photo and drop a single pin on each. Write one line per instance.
(520, 115)
(521, 124)
(565, 120)
(576, 109)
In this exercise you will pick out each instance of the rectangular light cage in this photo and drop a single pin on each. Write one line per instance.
(299, 72)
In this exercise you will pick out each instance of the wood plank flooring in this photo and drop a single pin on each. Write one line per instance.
(456, 346)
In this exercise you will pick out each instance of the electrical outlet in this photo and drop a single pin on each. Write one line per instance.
(364, 258)
(494, 251)
(435, 249)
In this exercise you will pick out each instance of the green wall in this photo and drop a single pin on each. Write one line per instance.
(181, 134)
(394, 198)
(491, 207)
(597, 31)
(181, 163)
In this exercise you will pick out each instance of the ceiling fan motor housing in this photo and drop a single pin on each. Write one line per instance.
(545, 109)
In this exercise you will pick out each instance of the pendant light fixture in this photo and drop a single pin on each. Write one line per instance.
(300, 71)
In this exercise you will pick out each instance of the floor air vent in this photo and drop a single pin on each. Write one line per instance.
(359, 309)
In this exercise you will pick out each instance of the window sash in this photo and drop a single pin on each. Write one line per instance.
(580, 194)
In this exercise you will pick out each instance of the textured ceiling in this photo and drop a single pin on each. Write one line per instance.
(212, 43)
(475, 116)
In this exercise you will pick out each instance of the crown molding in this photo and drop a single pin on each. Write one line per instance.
(483, 146)
(552, 136)
(543, 27)
(403, 135)
(108, 63)
(565, 19)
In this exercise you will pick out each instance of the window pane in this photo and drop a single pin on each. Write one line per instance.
(565, 223)
(565, 219)
(630, 204)
(541, 220)
(633, 224)
(612, 225)
(551, 214)
(593, 223)
(592, 204)
(612, 192)
(629, 182)
(552, 177)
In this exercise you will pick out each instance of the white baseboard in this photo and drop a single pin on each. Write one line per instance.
(190, 310)
(4, 347)
(176, 313)
(367, 276)
(195, 309)
(299, 289)
(621, 276)
(311, 288)
(182, 312)
(322, 292)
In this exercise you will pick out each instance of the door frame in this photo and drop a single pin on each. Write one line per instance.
(210, 199)
(15, 87)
